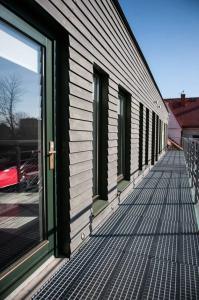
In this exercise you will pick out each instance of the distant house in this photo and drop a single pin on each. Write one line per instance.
(183, 118)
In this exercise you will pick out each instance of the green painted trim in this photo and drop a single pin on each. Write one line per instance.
(19, 24)
(49, 136)
(23, 270)
(98, 206)
(122, 185)
(27, 264)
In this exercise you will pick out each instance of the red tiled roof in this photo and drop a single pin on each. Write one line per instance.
(185, 110)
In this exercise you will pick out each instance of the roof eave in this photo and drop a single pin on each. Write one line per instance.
(118, 6)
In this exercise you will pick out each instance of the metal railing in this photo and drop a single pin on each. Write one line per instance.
(191, 151)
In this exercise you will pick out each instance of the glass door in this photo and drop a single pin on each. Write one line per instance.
(26, 133)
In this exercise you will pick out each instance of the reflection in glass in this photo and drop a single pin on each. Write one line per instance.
(20, 144)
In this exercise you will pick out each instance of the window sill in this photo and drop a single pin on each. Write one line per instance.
(122, 185)
(98, 206)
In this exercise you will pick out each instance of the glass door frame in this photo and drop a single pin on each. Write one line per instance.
(11, 277)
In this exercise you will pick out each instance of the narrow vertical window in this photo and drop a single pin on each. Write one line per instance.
(157, 137)
(121, 137)
(163, 135)
(100, 135)
(96, 140)
(124, 132)
(141, 136)
(160, 136)
(153, 139)
(147, 138)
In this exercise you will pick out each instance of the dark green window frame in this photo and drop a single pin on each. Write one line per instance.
(157, 138)
(140, 159)
(147, 138)
(165, 136)
(124, 135)
(11, 277)
(121, 138)
(96, 131)
(160, 136)
(153, 139)
(159, 142)
(100, 135)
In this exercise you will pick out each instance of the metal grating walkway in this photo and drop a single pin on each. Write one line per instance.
(148, 249)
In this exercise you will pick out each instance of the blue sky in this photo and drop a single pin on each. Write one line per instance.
(168, 34)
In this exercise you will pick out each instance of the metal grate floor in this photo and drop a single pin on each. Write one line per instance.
(148, 249)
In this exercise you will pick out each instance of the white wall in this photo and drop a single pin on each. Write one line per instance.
(174, 128)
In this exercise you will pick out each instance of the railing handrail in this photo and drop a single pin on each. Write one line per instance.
(194, 140)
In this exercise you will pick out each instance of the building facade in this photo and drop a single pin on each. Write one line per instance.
(82, 120)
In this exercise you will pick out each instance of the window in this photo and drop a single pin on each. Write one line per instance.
(100, 135)
(153, 139)
(124, 132)
(157, 138)
(96, 130)
(160, 136)
(121, 137)
(141, 137)
(147, 138)
(166, 134)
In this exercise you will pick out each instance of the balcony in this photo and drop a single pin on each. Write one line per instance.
(148, 249)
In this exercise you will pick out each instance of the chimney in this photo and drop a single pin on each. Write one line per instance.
(183, 95)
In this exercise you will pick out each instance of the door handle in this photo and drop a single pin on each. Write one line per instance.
(51, 154)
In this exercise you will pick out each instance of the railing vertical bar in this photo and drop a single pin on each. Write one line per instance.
(191, 153)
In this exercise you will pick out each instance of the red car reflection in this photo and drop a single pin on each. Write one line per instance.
(8, 177)
(28, 175)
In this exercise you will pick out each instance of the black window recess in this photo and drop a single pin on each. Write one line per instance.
(100, 135)
(140, 136)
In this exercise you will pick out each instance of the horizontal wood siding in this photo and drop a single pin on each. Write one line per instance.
(98, 36)
(112, 139)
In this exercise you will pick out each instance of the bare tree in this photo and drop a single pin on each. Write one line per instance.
(10, 92)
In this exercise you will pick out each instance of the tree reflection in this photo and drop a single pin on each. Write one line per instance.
(10, 92)
(18, 139)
